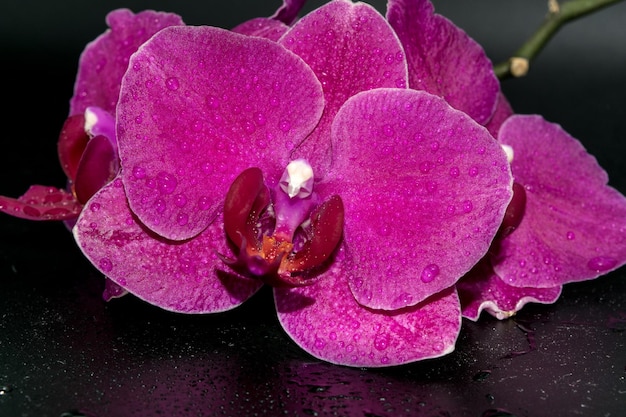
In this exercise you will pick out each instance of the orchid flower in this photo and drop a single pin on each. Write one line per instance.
(564, 224)
(305, 166)
(87, 147)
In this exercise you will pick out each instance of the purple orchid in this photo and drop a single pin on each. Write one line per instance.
(87, 146)
(305, 163)
(564, 224)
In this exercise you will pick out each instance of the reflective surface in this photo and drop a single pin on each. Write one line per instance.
(64, 352)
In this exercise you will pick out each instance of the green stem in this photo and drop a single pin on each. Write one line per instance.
(567, 12)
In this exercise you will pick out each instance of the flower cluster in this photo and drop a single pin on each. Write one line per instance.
(368, 168)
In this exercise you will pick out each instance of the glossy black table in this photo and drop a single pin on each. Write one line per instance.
(64, 352)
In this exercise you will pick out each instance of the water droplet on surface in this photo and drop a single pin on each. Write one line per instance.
(94, 207)
(180, 200)
(473, 171)
(570, 236)
(105, 264)
(166, 183)
(601, 263)
(381, 341)
(160, 205)
(204, 203)
(284, 126)
(429, 273)
(139, 172)
(172, 83)
(467, 206)
(182, 219)
(454, 172)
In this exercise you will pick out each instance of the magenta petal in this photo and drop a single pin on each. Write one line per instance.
(443, 60)
(105, 60)
(351, 48)
(177, 276)
(503, 111)
(289, 10)
(72, 142)
(481, 289)
(425, 189)
(42, 203)
(574, 226)
(112, 290)
(262, 27)
(199, 106)
(326, 321)
(98, 166)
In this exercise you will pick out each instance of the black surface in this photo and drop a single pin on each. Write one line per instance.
(64, 352)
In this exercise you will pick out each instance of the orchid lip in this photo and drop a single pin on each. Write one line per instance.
(281, 236)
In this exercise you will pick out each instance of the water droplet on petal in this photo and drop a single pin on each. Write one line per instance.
(105, 264)
(429, 273)
(172, 83)
(180, 200)
(160, 205)
(601, 263)
(467, 206)
(570, 236)
(182, 219)
(381, 341)
(139, 172)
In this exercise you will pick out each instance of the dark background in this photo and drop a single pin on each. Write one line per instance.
(63, 352)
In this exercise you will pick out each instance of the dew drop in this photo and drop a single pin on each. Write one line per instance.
(213, 102)
(172, 83)
(260, 119)
(139, 172)
(601, 263)
(388, 131)
(473, 171)
(429, 273)
(105, 264)
(454, 172)
(570, 235)
(160, 205)
(467, 206)
(166, 183)
(381, 341)
(94, 207)
(284, 126)
(424, 167)
(319, 343)
(30, 211)
(180, 200)
(182, 219)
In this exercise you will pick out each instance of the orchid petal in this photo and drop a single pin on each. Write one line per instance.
(105, 60)
(262, 27)
(190, 122)
(71, 145)
(42, 203)
(425, 189)
(351, 48)
(98, 165)
(482, 289)
(289, 10)
(443, 59)
(177, 276)
(326, 321)
(112, 290)
(503, 111)
(574, 225)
